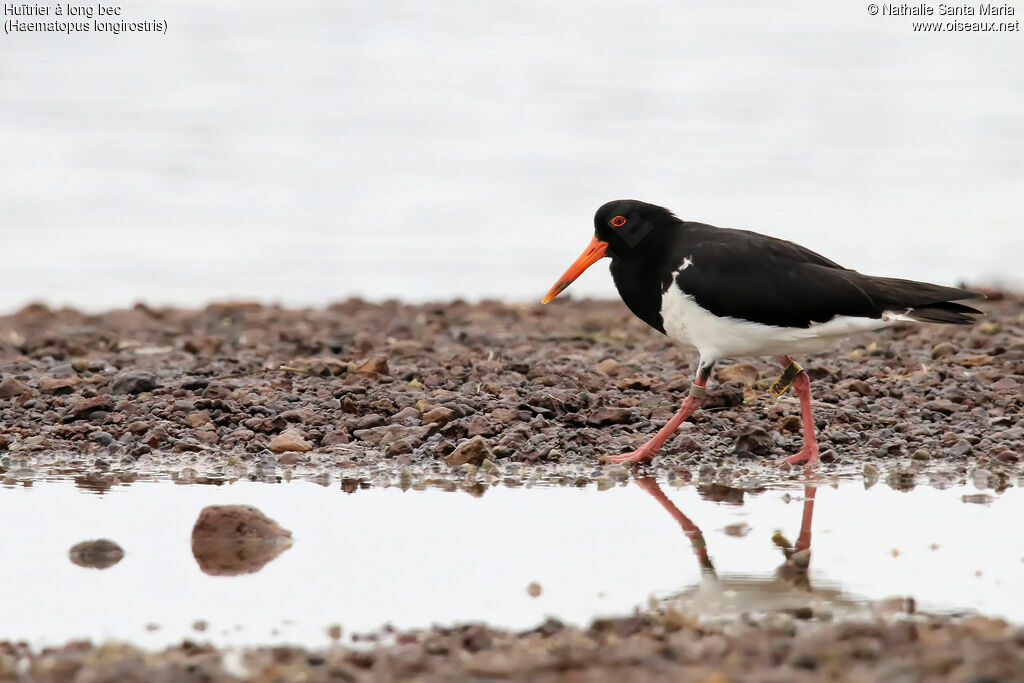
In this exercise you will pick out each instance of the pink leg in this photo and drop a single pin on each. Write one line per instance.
(691, 530)
(804, 540)
(809, 453)
(646, 452)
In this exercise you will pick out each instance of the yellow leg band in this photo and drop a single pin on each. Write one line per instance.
(697, 391)
(785, 380)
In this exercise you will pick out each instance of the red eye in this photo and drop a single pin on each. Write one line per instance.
(618, 221)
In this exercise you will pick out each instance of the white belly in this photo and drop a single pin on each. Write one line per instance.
(715, 338)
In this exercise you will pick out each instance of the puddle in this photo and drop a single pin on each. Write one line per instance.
(511, 557)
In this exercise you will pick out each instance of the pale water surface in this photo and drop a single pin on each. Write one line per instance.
(416, 558)
(301, 152)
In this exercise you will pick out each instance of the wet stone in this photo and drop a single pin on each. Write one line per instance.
(290, 440)
(228, 540)
(98, 554)
(102, 438)
(335, 438)
(473, 451)
(960, 448)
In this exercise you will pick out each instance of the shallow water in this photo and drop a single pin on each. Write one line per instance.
(415, 558)
(428, 151)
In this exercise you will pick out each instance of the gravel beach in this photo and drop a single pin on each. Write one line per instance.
(372, 392)
(469, 396)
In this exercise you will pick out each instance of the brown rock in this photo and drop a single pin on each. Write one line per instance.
(228, 540)
(609, 415)
(687, 444)
(197, 418)
(636, 382)
(11, 387)
(289, 458)
(972, 361)
(479, 426)
(400, 447)
(334, 439)
(609, 366)
(942, 405)
(57, 385)
(504, 415)
(99, 554)
(324, 366)
(859, 386)
(377, 364)
(155, 437)
(473, 451)
(756, 441)
(203, 345)
(290, 440)
(387, 434)
(207, 436)
(790, 423)
(942, 350)
(438, 416)
(86, 406)
(741, 372)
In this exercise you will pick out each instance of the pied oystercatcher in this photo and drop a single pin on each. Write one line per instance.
(735, 293)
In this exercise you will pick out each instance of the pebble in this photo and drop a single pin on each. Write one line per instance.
(439, 416)
(133, 382)
(375, 364)
(11, 387)
(290, 440)
(473, 451)
(960, 448)
(746, 373)
(609, 415)
(757, 441)
(102, 438)
(738, 530)
(943, 350)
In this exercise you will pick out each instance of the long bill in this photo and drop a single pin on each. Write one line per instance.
(593, 253)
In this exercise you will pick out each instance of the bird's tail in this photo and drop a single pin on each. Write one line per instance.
(946, 312)
(922, 301)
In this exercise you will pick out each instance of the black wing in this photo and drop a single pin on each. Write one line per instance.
(754, 277)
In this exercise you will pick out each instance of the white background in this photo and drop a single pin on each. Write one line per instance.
(301, 152)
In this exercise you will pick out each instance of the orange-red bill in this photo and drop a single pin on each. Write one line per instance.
(593, 253)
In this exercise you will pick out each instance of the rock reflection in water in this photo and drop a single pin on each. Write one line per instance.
(229, 540)
(98, 554)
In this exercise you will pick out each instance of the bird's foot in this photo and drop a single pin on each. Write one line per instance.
(642, 454)
(808, 454)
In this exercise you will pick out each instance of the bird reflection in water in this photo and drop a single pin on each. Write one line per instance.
(789, 590)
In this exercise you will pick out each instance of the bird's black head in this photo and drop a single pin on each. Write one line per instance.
(631, 228)
(623, 229)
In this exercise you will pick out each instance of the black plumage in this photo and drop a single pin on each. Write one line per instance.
(734, 293)
(753, 277)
